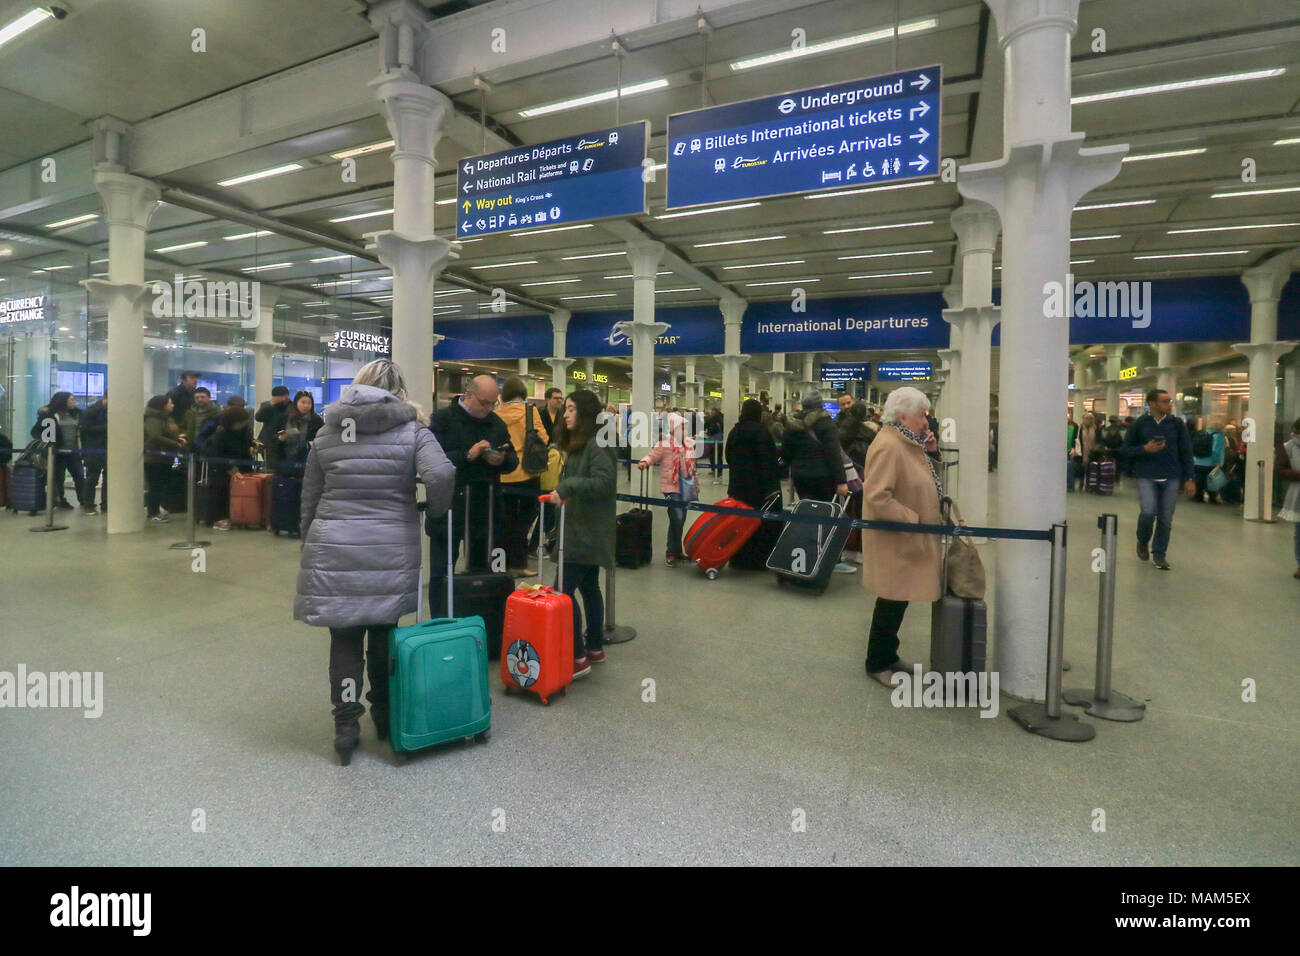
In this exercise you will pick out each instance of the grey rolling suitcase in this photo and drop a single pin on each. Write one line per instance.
(805, 554)
(958, 626)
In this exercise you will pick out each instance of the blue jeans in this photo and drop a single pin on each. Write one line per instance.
(676, 521)
(1156, 500)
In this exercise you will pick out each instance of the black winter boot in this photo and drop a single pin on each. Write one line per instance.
(347, 734)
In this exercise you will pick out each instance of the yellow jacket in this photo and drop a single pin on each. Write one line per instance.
(513, 414)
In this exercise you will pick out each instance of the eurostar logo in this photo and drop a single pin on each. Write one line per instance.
(616, 336)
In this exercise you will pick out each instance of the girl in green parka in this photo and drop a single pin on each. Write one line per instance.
(588, 486)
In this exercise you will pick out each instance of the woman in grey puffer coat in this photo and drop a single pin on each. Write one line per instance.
(360, 568)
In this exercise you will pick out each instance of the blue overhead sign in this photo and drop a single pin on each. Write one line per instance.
(903, 371)
(847, 134)
(836, 372)
(593, 176)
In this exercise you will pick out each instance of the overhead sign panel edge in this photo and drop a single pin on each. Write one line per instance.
(597, 175)
(879, 129)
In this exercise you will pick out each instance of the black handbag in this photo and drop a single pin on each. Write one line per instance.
(536, 456)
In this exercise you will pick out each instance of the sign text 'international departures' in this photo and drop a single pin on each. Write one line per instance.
(593, 176)
(847, 134)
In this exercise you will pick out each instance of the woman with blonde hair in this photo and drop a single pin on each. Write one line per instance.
(360, 568)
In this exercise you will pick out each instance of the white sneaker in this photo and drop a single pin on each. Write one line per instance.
(164, 512)
(843, 568)
(857, 557)
(161, 518)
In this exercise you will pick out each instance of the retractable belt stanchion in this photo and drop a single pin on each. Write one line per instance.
(1259, 487)
(191, 516)
(1046, 719)
(614, 633)
(49, 494)
(1102, 701)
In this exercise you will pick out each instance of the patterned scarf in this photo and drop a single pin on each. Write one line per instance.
(919, 440)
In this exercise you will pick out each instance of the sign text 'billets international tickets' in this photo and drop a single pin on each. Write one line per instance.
(848, 134)
(904, 371)
(577, 179)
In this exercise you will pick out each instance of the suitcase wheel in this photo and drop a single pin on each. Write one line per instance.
(546, 702)
(711, 574)
(400, 756)
(509, 689)
(483, 736)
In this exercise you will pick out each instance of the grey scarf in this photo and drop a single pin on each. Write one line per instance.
(919, 440)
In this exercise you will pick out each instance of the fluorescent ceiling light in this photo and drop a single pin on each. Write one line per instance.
(363, 150)
(628, 275)
(702, 212)
(785, 282)
(1257, 192)
(37, 272)
(1287, 142)
(590, 98)
(658, 166)
(248, 235)
(73, 221)
(453, 292)
(667, 291)
(1192, 255)
(16, 28)
(891, 275)
(1094, 238)
(444, 202)
(1262, 225)
(274, 265)
(528, 285)
(893, 225)
(595, 295)
(95, 262)
(886, 255)
(735, 242)
(592, 255)
(318, 302)
(1181, 85)
(870, 189)
(331, 258)
(1114, 205)
(1169, 155)
(363, 215)
(261, 174)
(183, 245)
(841, 43)
(764, 265)
(504, 265)
(1077, 262)
(534, 232)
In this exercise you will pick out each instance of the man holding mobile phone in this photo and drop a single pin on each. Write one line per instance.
(1160, 450)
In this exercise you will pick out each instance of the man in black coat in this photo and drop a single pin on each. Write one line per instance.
(273, 415)
(182, 395)
(94, 445)
(478, 443)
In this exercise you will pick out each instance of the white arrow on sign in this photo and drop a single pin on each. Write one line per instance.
(918, 110)
(923, 82)
(920, 163)
(921, 136)
(468, 169)
(466, 188)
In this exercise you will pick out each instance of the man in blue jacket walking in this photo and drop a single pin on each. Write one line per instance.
(1160, 450)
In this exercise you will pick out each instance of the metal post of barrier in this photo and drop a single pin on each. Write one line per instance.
(1102, 701)
(614, 633)
(191, 517)
(1259, 490)
(1046, 719)
(49, 494)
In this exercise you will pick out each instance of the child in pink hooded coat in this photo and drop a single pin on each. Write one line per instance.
(675, 456)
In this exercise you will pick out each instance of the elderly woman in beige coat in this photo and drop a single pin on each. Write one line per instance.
(900, 485)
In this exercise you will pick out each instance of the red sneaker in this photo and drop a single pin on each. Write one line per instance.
(581, 666)
(596, 657)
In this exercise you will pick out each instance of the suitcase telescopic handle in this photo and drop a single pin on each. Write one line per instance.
(541, 539)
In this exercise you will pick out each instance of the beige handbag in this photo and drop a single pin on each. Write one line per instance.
(963, 570)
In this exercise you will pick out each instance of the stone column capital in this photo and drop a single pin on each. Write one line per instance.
(1264, 282)
(1273, 350)
(560, 364)
(948, 355)
(737, 360)
(733, 309)
(1062, 161)
(560, 321)
(644, 256)
(977, 225)
(104, 292)
(414, 113)
(128, 200)
(108, 149)
(643, 330)
(952, 294)
(976, 319)
(399, 252)
(1017, 17)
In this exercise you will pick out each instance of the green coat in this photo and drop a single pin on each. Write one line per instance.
(193, 420)
(161, 436)
(589, 483)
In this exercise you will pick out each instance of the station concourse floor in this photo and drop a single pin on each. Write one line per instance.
(215, 699)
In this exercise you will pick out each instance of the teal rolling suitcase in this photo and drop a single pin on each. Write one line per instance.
(438, 678)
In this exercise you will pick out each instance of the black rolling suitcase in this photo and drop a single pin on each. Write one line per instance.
(633, 532)
(27, 488)
(958, 626)
(805, 554)
(478, 593)
(286, 504)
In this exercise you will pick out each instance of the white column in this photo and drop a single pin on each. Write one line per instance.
(129, 202)
(1264, 283)
(264, 347)
(590, 365)
(1033, 188)
(415, 114)
(523, 368)
(645, 256)
(692, 386)
(976, 225)
(1114, 362)
(733, 312)
(809, 381)
(1166, 372)
(558, 363)
(780, 377)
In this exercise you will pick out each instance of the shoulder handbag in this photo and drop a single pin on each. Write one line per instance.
(1216, 480)
(962, 568)
(688, 487)
(536, 459)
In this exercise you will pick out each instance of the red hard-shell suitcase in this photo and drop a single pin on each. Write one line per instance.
(249, 497)
(537, 641)
(714, 539)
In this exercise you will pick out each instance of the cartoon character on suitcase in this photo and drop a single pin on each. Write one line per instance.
(537, 643)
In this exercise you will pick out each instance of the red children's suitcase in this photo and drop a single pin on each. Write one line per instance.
(249, 498)
(714, 539)
(537, 641)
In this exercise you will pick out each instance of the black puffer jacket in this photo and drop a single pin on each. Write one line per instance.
(811, 446)
(754, 470)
